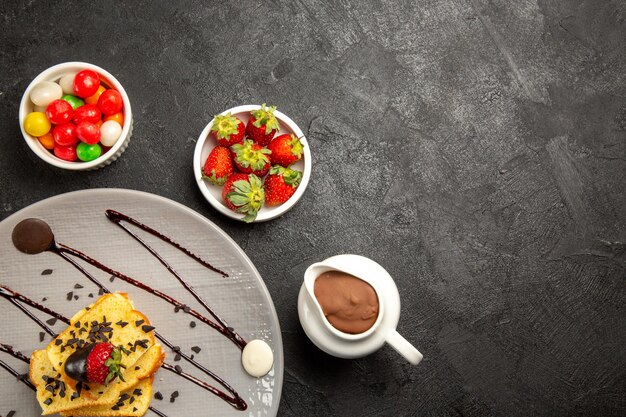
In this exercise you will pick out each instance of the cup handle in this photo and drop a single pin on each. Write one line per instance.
(403, 347)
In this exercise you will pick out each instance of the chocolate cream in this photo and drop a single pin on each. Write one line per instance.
(349, 303)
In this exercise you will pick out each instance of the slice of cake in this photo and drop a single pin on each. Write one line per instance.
(111, 323)
(56, 397)
(104, 359)
(131, 402)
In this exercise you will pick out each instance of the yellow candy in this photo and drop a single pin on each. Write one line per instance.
(47, 140)
(94, 99)
(37, 124)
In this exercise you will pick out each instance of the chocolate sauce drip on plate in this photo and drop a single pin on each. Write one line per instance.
(63, 251)
(17, 299)
(117, 218)
(32, 236)
(18, 355)
(236, 401)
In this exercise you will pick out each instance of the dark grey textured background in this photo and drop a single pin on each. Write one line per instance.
(474, 148)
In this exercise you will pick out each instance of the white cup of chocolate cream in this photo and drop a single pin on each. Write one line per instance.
(349, 306)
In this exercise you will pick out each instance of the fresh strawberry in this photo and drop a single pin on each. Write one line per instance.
(244, 194)
(280, 185)
(286, 149)
(251, 158)
(228, 129)
(218, 165)
(262, 125)
(97, 363)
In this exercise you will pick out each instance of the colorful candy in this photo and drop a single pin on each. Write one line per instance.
(88, 132)
(47, 141)
(74, 101)
(59, 112)
(76, 118)
(65, 134)
(37, 124)
(87, 113)
(110, 102)
(117, 117)
(87, 152)
(110, 132)
(93, 99)
(67, 83)
(45, 93)
(67, 153)
(86, 83)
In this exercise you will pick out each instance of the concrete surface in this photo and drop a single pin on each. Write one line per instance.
(475, 148)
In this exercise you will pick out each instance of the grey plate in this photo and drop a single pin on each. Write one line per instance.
(78, 220)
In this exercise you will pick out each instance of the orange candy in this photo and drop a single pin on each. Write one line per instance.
(117, 117)
(99, 123)
(47, 140)
(94, 99)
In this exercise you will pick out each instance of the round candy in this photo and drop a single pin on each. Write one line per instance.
(45, 93)
(110, 132)
(59, 112)
(37, 124)
(88, 132)
(65, 134)
(88, 152)
(110, 102)
(93, 99)
(117, 117)
(87, 113)
(47, 140)
(86, 83)
(67, 83)
(67, 153)
(257, 358)
(74, 101)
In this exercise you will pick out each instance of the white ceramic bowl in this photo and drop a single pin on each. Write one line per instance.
(54, 74)
(213, 193)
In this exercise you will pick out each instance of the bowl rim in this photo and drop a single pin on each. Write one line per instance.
(45, 154)
(262, 216)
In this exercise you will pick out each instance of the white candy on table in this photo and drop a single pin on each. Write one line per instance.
(67, 83)
(110, 132)
(45, 93)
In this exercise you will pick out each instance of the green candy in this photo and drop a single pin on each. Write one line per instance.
(74, 101)
(87, 152)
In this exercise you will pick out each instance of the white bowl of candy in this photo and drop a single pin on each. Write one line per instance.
(252, 163)
(76, 116)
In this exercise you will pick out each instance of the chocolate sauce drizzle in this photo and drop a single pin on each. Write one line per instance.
(18, 355)
(117, 218)
(12, 296)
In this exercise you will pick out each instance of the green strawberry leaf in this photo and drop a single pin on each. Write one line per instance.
(225, 125)
(265, 117)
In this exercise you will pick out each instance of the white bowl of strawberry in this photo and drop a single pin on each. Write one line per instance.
(252, 163)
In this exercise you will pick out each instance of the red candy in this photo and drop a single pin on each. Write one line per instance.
(59, 112)
(87, 113)
(86, 83)
(110, 102)
(88, 132)
(67, 153)
(64, 135)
